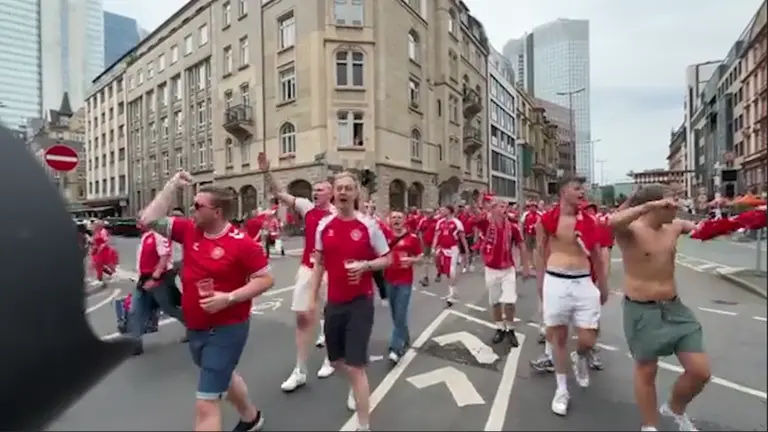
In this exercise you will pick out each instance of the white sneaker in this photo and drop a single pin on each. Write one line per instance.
(464, 270)
(580, 369)
(471, 268)
(560, 402)
(294, 381)
(351, 404)
(320, 342)
(326, 369)
(393, 357)
(385, 302)
(684, 422)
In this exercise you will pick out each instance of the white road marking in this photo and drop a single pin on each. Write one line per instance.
(500, 404)
(718, 311)
(606, 347)
(723, 382)
(461, 388)
(475, 307)
(708, 266)
(759, 318)
(104, 302)
(429, 293)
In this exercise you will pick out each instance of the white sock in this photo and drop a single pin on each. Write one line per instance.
(510, 325)
(322, 327)
(500, 325)
(562, 381)
(451, 291)
(548, 349)
(648, 429)
(301, 366)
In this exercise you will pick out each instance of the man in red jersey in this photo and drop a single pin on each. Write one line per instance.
(223, 271)
(426, 232)
(154, 262)
(306, 319)
(406, 251)
(449, 234)
(467, 216)
(529, 220)
(101, 253)
(349, 246)
(500, 237)
(413, 219)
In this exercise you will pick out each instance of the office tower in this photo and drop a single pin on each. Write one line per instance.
(502, 151)
(121, 34)
(48, 49)
(554, 63)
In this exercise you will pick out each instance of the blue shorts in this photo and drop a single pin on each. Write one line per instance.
(216, 352)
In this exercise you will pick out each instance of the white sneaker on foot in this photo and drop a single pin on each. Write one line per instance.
(580, 369)
(326, 369)
(683, 422)
(351, 404)
(560, 402)
(320, 342)
(296, 379)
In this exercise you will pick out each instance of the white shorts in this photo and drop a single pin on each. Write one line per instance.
(502, 285)
(453, 254)
(567, 301)
(301, 289)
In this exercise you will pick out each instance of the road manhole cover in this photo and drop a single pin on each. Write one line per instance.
(725, 302)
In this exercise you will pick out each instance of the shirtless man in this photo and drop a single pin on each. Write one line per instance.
(566, 243)
(656, 322)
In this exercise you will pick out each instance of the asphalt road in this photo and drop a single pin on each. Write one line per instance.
(451, 380)
(720, 254)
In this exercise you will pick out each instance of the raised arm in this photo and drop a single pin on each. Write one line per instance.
(154, 215)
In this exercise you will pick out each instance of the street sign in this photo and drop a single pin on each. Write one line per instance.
(463, 391)
(61, 158)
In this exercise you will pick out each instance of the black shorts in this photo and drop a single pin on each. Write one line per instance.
(470, 242)
(348, 329)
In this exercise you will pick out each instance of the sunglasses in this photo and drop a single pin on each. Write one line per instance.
(197, 206)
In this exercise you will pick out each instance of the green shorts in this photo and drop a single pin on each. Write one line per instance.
(659, 329)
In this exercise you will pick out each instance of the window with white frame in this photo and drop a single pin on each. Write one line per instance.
(178, 121)
(348, 12)
(202, 76)
(242, 8)
(452, 22)
(202, 155)
(245, 54)
(415, 5)
(189, 44)
(166, 164)
(226, 14)
(176, 83)
(152, 131)
(228, 152)
(414, 46)
(228, 60)
(288, 84)
(286, 26)
(202, 35)
(228, 99)
(161, 62)
(164, 125)
(150, 70)
(202, 114)
(479, 166)
(245, 94)
(174, 54)
(287, 139)
(414, 92)
(245, 152)
(350, 67)
(350, 128)
(453, 65)
(415, 144)
(179, 158)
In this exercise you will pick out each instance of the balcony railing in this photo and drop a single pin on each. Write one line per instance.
(472, 101)
(473, 139)
(238, 119)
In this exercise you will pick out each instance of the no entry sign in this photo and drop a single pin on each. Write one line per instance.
(61, 158)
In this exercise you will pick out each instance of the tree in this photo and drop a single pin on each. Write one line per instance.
(608, 195)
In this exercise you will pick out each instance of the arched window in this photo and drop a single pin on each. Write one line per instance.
(414, 46)
(287, 139)
(415, 144)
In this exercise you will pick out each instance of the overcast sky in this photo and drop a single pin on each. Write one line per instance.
(639, 51)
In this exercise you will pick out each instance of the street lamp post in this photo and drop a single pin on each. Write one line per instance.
(571, 119)
(602, 162)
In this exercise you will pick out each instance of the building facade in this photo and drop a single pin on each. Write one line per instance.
(220, 82)
(560, 116)
(676, 154)
(121, 34)
(62, 126)
(48, 49)
(754, 81)
(554, 59)
(503, 157)
(696, 77)
(537, 140)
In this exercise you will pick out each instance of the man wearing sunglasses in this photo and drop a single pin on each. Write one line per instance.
(223, 271)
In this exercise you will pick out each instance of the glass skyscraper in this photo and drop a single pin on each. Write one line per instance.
(20, 80)
(121, 33)
(48, 48)
(552, 61)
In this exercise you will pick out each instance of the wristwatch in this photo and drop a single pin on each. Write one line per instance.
(231, 299)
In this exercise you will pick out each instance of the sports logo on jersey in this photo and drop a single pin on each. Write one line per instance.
(356, 235)
(217, 253)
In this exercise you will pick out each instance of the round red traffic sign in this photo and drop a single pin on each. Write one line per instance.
(61, 157)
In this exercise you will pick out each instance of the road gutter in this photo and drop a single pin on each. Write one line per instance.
(741, 283)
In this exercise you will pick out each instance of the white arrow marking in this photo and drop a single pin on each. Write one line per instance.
(480, 351)
(270, 305)
(462, 390)
(58, 158)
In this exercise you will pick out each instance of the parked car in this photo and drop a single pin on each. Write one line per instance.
(126, 227)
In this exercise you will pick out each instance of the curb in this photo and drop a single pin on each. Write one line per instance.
(742, 284)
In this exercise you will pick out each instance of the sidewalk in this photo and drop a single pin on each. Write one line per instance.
(753, 281)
